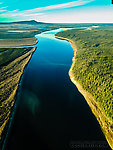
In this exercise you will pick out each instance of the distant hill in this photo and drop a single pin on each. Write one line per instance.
(31, 22)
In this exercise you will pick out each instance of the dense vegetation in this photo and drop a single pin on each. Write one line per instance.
(19, 35)
(31, 28)
(12, 64)
(9, 54)
(20, 30)
(93, 67)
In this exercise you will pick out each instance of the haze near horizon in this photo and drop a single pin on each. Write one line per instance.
(57, 11)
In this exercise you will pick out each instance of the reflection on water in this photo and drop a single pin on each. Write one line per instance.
(30, 103)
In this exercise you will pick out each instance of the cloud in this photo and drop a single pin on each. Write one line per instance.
(32, 13)
(24, 14)
(3, 10)
(13, 11)
(82, 16)
(3, 7)
(61, 6)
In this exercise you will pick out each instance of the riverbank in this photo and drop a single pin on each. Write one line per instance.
(18, 42)
(10, 76)
(105, 123)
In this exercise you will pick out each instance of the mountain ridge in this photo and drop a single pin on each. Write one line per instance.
(31, 22)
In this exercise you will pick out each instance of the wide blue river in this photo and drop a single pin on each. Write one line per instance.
(51, 114)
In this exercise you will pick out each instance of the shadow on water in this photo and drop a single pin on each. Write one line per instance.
(52, 113)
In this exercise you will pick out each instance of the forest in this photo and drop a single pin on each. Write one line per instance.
(93, 67)
(9, 54)
(12, 64)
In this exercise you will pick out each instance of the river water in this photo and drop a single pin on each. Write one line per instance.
(51, 114)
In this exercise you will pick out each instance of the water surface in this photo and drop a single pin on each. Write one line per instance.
(51, 112)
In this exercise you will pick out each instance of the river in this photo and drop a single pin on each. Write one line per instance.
(51, 113)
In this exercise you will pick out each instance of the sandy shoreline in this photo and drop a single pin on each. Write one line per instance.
(104, 122)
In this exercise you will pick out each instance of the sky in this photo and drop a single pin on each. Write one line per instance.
(57, 11)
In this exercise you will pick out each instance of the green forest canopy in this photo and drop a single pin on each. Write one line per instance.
(93, 67)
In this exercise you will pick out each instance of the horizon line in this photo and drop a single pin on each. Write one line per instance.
(56, 22)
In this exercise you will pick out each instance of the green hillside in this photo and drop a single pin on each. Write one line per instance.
(93, 67)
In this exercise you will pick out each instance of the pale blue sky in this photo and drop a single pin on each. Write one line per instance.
(61, 11)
